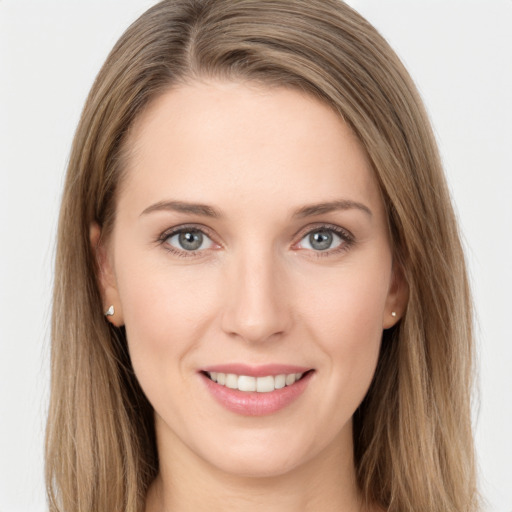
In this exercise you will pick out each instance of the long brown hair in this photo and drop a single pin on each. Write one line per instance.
(412, 433)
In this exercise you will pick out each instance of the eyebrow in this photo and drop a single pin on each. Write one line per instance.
(208, 211)
(331, 206)
(183, 207)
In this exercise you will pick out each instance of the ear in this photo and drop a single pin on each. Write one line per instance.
(106, 277)
(397, 298)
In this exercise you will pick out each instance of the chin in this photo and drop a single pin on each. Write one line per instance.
(260, 467)
(261, 455)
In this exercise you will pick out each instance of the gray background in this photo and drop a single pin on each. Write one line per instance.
(458, 51)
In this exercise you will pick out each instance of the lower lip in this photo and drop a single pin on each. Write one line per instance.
(256, 404)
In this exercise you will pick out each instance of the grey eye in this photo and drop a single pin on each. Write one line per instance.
(321, 240)
(189, 240)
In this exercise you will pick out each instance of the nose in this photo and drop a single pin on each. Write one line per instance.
(256, 307)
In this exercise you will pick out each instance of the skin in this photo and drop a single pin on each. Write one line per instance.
(256, 292)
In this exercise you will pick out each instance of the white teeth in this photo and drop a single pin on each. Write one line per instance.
(280, 381)
(259, 384)
(265, 384)
(231, 381)
(290, 379)
(246, 383)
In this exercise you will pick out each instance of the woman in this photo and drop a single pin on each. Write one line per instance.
(260, 298)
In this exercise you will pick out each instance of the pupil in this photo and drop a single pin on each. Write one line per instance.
(191, 240)
(320, 240)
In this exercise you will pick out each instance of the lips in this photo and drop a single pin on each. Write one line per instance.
(255, 391)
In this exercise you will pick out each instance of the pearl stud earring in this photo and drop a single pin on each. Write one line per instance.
(393, 314)
(110, 311)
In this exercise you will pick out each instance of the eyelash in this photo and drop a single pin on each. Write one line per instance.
(347, 239)
(182, 229)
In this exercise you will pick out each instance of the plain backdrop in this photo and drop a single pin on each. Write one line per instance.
(458, 51)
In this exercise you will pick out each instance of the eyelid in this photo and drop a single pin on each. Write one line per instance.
(343, 232)
(346, 236)
(183, 228)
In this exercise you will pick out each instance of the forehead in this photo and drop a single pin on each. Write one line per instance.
(210, 142)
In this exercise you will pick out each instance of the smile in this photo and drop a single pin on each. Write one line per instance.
(251, 391)
(248, 383)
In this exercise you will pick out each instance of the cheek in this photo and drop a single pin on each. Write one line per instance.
(165, 314)
(349, 304)
(345, 315)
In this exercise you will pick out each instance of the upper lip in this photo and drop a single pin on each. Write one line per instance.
(256, 370)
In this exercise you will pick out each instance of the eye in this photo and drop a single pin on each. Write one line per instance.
(325, 239)
(189, 240)
(321, 240)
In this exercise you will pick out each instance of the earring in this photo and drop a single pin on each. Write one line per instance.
(110, 311)
(393, 314)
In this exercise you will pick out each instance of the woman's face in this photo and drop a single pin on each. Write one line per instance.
(250, 245)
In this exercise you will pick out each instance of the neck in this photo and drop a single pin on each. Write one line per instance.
(324, 484)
